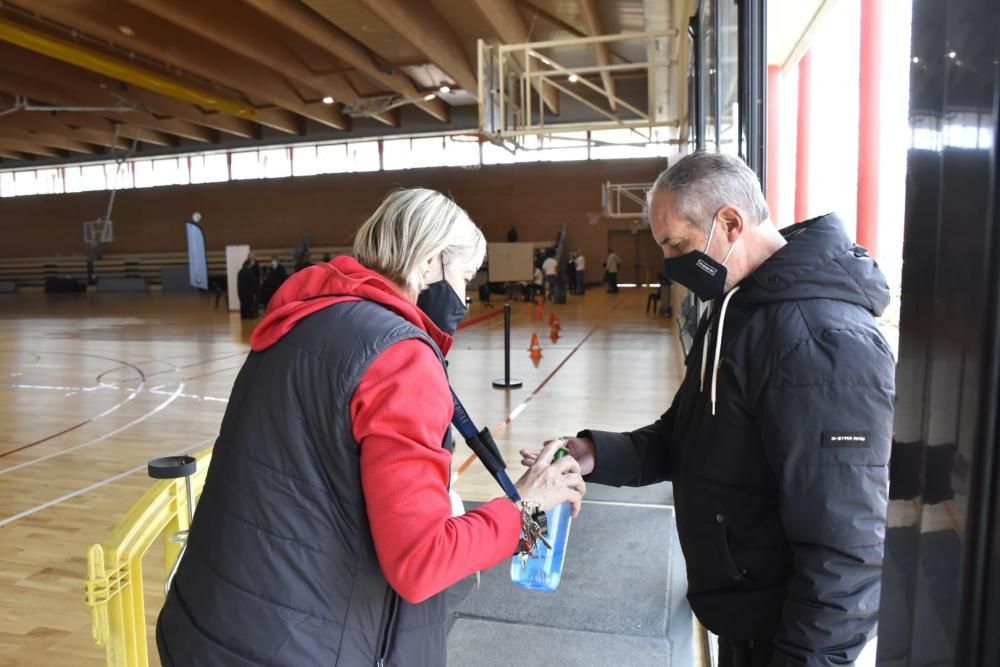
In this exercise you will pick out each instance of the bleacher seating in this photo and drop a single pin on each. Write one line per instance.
(33, 271)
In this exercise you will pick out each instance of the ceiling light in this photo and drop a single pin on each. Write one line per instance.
(327, 100)
(428, 97)
(444, 89)
(127, 31)
(952, 54)
(915, 60)
(573, 78)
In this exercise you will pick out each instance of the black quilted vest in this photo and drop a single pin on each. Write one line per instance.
(280, 568)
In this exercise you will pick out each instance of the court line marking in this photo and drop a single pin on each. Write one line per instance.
(101, 438)
(104, 436)
(114, 478)
(132, 394)
(89, 488)
(524, 404)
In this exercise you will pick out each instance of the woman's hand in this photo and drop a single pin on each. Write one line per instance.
(550, 483)
(581, 449)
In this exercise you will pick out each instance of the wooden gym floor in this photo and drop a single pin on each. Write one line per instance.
(93, 386)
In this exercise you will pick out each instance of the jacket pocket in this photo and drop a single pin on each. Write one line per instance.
(734, 572)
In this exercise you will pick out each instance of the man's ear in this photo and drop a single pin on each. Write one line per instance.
(733, 222)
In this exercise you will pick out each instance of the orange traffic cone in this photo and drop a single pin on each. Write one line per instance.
(535, 349)
(554, 322)
(540, 312)
(554, 335)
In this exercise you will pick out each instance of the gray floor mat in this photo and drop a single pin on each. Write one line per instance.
(479, 643)
(623, 581)
(657, 494)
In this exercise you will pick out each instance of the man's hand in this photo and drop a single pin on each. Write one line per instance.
(551, 483)
(581, 449)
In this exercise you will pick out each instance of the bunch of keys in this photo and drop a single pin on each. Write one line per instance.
(533, 529)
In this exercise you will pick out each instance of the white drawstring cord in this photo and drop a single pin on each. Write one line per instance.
(718, 344)
(704, 349)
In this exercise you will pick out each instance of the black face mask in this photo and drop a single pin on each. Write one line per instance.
(701, 274)
(440, 303)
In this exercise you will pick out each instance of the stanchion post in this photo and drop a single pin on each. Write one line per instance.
(506, 382)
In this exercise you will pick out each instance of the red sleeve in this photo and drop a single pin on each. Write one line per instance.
(399, 414)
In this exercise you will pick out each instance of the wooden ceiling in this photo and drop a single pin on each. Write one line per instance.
(151, 74)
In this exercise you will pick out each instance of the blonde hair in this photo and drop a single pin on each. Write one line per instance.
(411, 226)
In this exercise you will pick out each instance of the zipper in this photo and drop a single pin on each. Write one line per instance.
(385, 645)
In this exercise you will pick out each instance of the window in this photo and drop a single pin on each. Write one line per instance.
(357, 156)
(48, 182)
(25, 183)
(304, 161)
(493, 154)
(91, 177)
(119, 176)
(623, 143)
(213, 168)
(275, 162)
(333, 158)
(397, 154)
(164, 171)
(7, 184)
(363, 156)
(461, 151)
(245, 166)
(563, 147)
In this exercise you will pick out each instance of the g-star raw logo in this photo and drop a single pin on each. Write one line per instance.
(706, 267)
(846, 439)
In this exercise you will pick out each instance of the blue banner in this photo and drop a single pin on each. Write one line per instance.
(197, 264)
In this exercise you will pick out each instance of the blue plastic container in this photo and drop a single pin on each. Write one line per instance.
(543, 571)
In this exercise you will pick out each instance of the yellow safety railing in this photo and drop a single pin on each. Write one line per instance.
(114, 569)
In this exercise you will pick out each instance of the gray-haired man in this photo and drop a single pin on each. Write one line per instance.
(777, 441)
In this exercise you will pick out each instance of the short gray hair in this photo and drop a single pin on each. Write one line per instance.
(412, 225)
(702, 183)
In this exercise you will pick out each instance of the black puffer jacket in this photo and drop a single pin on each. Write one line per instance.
(778, 447)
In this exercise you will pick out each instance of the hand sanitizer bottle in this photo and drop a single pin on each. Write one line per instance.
(543, 570)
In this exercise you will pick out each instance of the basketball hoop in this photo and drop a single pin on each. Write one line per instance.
(97, 232)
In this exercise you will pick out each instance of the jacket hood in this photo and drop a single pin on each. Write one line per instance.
(818, 262)
(322, 285)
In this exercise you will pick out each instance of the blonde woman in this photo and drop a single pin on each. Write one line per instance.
(324, 535)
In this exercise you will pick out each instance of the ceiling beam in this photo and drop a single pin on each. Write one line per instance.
(256, 45)
(127, 131)
(162, 105)
(244, 39)
(8, 154)
(58, 49)
(50, 140)
(281, 119)
(420, 24)
(221, 66)
(60, 124)
(29, 148)
(35, 78)
(508, 22)
(592, 21)
(306, 23)
(532, 10)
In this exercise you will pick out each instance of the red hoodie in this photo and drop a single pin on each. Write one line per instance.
(399, 414)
